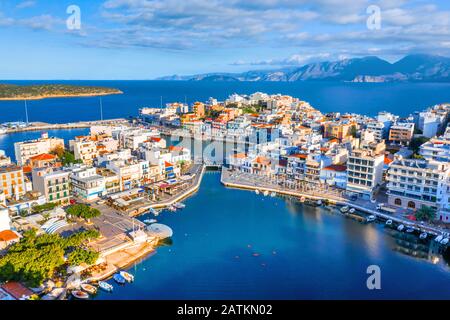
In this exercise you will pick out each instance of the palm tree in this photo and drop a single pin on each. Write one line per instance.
(425, 214)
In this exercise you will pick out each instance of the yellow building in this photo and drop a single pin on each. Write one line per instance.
(12, 182)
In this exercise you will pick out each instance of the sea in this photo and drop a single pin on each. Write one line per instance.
(234, 244)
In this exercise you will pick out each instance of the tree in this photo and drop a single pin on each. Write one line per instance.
(353, 131)
(83, 211)
(58, 150)
(68, 158)
(425, 214)
(415, 143)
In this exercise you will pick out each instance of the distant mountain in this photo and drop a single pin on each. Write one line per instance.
(418, 67)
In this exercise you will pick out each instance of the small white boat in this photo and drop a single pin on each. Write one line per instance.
(150, 221)
(105, 286)
(389, 222)
(352, 210)
(438, 238)
(119, 279)
(345, 209)
(154, 212)
(257, 191)
(319, 202)
(302, 199)
(265, 193)
(410, 230)
(371, 218)
(423, 235)
(444, 241)
(89, 288)
(179, 205)
(80, 294)
(128, 277)
(273, 194)
(171, 208)
(400, 227)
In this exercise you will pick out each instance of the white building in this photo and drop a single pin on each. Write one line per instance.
(87, 184)
(27, 149)
(5, 221)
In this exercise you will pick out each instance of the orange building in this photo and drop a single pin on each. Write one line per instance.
(12, 181)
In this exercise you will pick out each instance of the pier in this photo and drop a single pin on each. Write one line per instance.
(39, 126)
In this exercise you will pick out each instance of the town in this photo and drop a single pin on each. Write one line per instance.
(68, 208)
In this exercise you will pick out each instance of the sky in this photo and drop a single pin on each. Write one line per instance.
(145, 39)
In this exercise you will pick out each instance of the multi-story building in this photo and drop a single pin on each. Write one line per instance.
(414, 183)
(12, 182)
(87, 184)
(334, 175)
(378, 129)
(437, 149)
(27, 149)
(5, 220)
(112, 181)
(338, 130)
(84, 149)
(4, 160)
(53, 183)
(401, 132)
(364, 172)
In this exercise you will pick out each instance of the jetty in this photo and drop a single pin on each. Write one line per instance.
(40, 126)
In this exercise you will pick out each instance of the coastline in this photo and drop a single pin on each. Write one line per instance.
(83, 95)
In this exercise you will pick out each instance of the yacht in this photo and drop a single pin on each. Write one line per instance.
(389, 222)
(400, 227)
(423, 235)
(128, 277)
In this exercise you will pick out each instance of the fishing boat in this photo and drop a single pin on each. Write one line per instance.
(257, 191)
(371, 218)
(89, 288)
(352, 210)
(150, 221)
(400, 227)
(444, 241)
(265, 193)
(119, 279)
(438, 238)
(105, 286)
(389, 222)
(410, 230)
(345, 209)
(179, 205)
(423, 235)
(273, 194)
(80, 294)
(128, 277)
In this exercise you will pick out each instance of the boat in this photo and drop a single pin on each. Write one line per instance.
(371, 218)
(302, 199)
(410, 230)
(154, 212)
(78, 294)
(423, 235)
(273, 194)
(128, 277)
(319, 202)
(400, 227)
(119, 279)
(89, 288)
(444, 241)
(150, 221)
(179, 205)
(265, 193)
(352, 210)
(105, 286)
(2, 130)
(257, 191)
(345, 209)
(389, 222)
(438, 238)
(171, 208)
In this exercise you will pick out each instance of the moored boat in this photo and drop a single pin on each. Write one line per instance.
(345, 209)
(128, 277)
(423, 235)
(438, 238)
(444, 241)
(80, 294)
(89, 288)
(179, 205)
(172, 208)
(410, 230)
(400, 227)
(302, 199)
(389, 222)
(371, 218)
(319, 202)
(119, 279)
(150, 221)
(273, 194)
(105, 286)
(154, 212)
(257, 191)
(352, 210)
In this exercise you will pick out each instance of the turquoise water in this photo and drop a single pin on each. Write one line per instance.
(365, 98)
(303, 252)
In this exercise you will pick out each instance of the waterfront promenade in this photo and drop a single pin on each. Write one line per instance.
(235, 179)
(38, 126)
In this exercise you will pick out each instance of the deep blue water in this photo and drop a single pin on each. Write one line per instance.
(365, 98)
(305, 252)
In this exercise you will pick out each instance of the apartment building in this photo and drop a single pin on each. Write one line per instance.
(12, 181)
(401, 132)
(27, 149)
(87, 184)
(437, 149)
(4, 160)
(53, 183)
(338, 130)
(364, 172)
(414, 183)
(84, 149)
(112, 181)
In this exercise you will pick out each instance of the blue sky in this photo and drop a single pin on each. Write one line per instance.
(144, 39)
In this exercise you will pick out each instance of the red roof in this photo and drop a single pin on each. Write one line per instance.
(336, 167)
(387, 160)
(8, 235)
(155, 139)
(299, 155)
(43, 156)
(167, 164)
(16, 289)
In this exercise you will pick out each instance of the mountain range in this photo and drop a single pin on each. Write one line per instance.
(411, 68)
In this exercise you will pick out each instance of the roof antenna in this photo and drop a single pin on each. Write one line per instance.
(26, 112)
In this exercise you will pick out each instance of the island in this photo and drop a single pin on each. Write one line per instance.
(42, 91)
